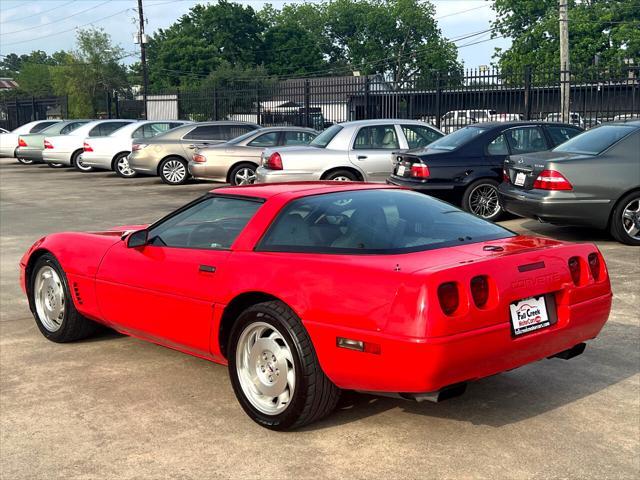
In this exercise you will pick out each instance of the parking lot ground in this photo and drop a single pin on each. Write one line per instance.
(114, 406)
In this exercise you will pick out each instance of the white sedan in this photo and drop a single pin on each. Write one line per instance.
(66, 149)
(9, 140)
(349, 151)
(111, 153)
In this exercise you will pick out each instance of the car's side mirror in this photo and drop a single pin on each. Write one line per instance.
(138, 239)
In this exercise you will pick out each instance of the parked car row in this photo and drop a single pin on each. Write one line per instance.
(549, 171)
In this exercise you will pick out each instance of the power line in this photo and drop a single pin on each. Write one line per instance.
(57, 20)
(39, 13)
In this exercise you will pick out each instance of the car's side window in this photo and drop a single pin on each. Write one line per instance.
(297, 138)
(418, 136)
(560, 134)
(70, 128)
(526, 139)
(378, 137)
(41, 126)
(205, 132)
(265, 140)
(498, 146)
(213, 223)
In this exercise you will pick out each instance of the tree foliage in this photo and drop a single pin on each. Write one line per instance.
(602, 31)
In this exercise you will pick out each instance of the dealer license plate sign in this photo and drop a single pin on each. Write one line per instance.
(401, 170)
(520, 178)
(529, 315)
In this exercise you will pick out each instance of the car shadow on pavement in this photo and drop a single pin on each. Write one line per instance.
(518, 395)
(566, 233)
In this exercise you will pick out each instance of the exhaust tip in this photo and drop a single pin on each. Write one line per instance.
(450, 391)
(571, 352)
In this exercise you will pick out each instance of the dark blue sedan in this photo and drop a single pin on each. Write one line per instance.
(465, 167)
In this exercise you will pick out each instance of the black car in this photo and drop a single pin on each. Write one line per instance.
(465, 167)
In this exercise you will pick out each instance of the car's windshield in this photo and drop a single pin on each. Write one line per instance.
(458, 138)
(322, 140)
(375, 221)
(596, 140)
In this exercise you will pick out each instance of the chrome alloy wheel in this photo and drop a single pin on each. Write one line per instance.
(245, 176)
(83, 166)
(174, 171)
(48, 293)
(341, 178)
(123, 167)
(631, 218)
(265, 368)
(483, 201)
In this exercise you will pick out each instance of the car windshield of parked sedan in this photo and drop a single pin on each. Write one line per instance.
(458, 138)
(377, 221)
(322, 140)
(595, 141)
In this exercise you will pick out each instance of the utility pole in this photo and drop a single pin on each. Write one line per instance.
(565, 77)
(143, 57)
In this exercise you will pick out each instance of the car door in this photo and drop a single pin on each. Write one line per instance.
(371, 151)
(166, 289)
(201, 136)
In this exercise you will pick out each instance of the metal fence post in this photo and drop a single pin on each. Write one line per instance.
(108, 98)
(307, 103)
(438, 99)
(258, 109)
(527, 92)
(367, 91)
(117, 104)
(215, 103)
(33, 108)
(66, 106)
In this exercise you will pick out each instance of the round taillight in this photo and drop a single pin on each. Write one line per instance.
(449, 298)
(480, 290)
(574, 268)
(594, 265)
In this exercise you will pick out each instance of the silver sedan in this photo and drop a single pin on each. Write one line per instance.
(236, 160)
(350, 151)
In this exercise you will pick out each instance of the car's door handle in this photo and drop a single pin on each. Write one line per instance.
(361, 157)
(207, 268)
(192, 147)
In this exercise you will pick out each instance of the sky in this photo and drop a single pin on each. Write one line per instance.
(50, 25)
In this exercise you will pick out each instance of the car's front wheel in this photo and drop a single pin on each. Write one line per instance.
(56, 165)
(121, 166)
(51, 303)
(79, 164)
(625, 220)
(243, 174)
(173, 171)
(481, 199)
(274, 369)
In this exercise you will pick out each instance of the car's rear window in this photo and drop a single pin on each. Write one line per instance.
(325, 137)
(458, 138)
(374, 222)
(596, 140)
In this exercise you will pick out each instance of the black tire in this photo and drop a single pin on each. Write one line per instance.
(493, 211)
(56, 165)
(166, 177)
(24, 161)
(617, 226)
(248, 166)
(314, 397)
(342, 175)
(73, 325)
(74, 160)
(115, 167)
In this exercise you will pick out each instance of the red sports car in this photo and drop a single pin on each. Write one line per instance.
(306, 289)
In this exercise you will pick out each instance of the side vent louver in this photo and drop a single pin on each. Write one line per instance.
(76, 292)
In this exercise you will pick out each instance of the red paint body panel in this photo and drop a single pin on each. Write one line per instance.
(160, 294)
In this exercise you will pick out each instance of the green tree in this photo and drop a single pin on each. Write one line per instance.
(200, 41)
(399, 38)
(606, 30)
(90, 72)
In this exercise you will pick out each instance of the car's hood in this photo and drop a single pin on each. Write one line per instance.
(120, 230)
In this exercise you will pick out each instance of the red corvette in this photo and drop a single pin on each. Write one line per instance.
(306, 289)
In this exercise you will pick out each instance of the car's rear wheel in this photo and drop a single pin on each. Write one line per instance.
(481, 199)
(173, 171)
(24, 161)
(83, 167)
(625, 219)
(341, 176)
(51, 303)
(121, 166)
(243, 174)
(56, 165)
(274, 369)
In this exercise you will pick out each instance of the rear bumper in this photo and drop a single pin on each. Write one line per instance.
(96, 160)
(554, 207)
(206, 171)
(410, 365)
(264, 175)
(56, 157)
(424, 187)
(143, 161)
(29, 154)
